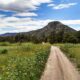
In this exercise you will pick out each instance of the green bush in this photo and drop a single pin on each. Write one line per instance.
(4, 51)
(41, 58)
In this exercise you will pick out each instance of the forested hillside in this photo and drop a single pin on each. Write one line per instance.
(54, 32)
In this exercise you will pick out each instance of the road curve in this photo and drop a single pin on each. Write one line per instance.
(59, 67)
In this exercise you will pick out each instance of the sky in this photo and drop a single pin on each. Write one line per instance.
(27, 15)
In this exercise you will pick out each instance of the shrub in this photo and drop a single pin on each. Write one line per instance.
(28, 65)
(4, 51)
(41, 58)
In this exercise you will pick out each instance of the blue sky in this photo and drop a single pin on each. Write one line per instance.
(27, 15)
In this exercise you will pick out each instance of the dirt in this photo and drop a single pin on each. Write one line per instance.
(59, 67)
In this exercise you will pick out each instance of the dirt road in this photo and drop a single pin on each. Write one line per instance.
(59, 67)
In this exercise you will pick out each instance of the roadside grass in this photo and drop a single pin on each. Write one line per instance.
(73, 52)
(4, 43)
(25, 61)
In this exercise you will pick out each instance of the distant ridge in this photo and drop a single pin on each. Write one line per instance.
(8, 34)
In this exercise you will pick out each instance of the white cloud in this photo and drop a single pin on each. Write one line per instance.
(28, 24)
(7, 1)
(21, 5)
(26, 14)
(62, 6)
(51, 5)
(1, 15)
(70, 22)
(21, 24)
(25, 8)
(75, 24)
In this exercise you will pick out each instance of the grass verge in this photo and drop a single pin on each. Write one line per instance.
(23, 62)
(73, 52)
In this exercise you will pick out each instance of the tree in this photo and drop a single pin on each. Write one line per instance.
(78, 36)
(52, 37)
(60, 36)
(70, 38)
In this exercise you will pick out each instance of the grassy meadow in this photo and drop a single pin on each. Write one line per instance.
(22, 61)
(26, 61)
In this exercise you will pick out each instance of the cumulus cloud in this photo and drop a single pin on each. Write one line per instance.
(21, 5)
(1, 15)
(14, 24)
(21, 24)
(7, 1)
(24, 14)
(70, 22)
(24, 8)
(62, 6)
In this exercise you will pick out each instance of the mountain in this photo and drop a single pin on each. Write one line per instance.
(54, 26)
(53, 32)
(8, 34)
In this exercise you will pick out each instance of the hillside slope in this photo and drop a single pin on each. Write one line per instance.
(55, 26)
(53, 32)
(52, 26)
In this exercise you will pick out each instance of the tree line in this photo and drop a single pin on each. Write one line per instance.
(53, 37)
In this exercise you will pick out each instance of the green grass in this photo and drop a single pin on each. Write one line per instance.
(73, 52)
(24, 61)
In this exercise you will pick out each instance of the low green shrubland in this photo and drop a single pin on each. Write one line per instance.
(23, 62)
